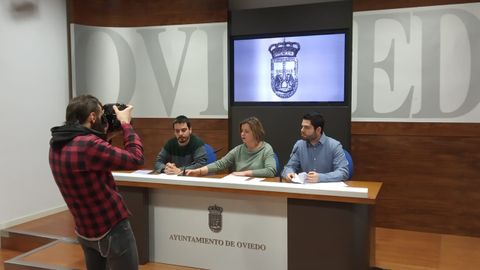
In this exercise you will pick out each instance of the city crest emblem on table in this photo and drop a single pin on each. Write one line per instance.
(284, 68)
(215, 218)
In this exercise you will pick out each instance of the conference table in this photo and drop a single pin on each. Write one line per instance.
(214, 221)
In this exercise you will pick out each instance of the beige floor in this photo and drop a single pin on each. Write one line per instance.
(406, 250)
(6, 255)
(395, 249)
(70, 256)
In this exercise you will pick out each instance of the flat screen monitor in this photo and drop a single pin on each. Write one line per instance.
(289, 69)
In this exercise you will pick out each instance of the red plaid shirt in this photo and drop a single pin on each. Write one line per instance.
(82, 170)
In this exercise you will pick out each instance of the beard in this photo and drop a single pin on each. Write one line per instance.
(100, 126)
(308, 138)
(182, 140)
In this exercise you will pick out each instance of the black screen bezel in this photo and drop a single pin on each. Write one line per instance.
(232, 40)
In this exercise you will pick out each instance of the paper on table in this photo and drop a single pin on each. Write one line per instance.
(237, 178)
(331, 184)
(299, 178)
(256, 179)
(302, 177)
(142, 171)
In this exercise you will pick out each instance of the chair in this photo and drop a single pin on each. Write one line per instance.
(350, 163)
(277, 163)
(211, 156)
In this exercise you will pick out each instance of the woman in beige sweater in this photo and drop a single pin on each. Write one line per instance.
(254, 157)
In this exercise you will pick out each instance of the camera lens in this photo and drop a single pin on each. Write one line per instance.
(111, 116)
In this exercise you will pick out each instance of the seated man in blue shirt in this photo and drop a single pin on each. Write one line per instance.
(319, 156)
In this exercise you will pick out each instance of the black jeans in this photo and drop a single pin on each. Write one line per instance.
(116, 250)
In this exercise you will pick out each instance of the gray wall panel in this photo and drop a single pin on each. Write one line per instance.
(282, 123)
(309, 17)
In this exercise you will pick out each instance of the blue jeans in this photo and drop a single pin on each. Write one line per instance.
(116, 250)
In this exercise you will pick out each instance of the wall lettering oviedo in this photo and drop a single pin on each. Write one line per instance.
(417, 64)
(409, 65)
(163, 71)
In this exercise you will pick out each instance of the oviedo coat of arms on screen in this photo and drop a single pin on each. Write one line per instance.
(284, 68)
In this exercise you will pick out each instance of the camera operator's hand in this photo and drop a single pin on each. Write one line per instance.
(124, 116)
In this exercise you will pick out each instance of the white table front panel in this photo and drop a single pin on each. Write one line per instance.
(253, 233)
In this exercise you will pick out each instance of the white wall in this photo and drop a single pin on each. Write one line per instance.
(33, 97)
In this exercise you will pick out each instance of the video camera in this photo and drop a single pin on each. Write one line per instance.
(111, 116)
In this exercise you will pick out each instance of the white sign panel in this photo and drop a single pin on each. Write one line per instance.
(164, 71)
(417, 64)
(218, 231)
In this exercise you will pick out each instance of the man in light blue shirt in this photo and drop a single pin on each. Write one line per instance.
(319, 156)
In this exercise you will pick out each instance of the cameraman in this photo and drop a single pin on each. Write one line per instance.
(81, 161)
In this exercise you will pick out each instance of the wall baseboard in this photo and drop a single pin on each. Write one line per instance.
(33, 216)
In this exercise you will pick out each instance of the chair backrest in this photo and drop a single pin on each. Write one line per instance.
(211, 156)
(277, 163)
(350, 163)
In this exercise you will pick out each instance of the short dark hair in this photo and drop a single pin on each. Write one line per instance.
(316, 119)
(182, 119)
(256, 127)
(80, 107)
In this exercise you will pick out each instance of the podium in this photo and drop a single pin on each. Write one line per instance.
(328, 226)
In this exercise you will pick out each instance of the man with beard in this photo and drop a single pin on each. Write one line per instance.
(81, 161)
(183, 152)
(317, 157)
